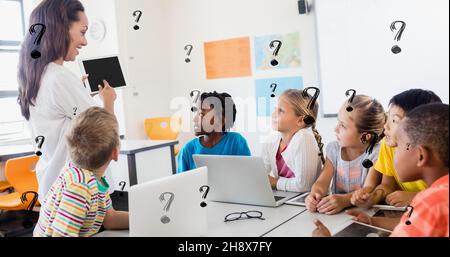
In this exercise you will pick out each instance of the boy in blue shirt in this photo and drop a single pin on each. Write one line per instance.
(214, 117)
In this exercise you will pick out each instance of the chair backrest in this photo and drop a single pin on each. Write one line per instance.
(159, 128)
(20, 173)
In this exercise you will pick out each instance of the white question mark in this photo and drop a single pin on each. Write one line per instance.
(189, 49)
(194, 108)
(203, 204)
(277, 49)
(136, 27)
(273, 91)
(165, 219)
(396, 49)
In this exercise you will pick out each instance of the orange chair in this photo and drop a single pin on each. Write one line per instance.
(5, 185)
(20, 173)
(159, 129)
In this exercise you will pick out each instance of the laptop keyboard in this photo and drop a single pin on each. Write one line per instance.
(278, 198)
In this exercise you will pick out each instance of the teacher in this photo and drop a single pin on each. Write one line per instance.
(50, 95)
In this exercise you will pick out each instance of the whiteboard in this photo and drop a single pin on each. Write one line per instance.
(354, 47)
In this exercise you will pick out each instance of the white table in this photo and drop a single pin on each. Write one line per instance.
(303, 224)
(14, 151)
(143, 160)
(216, 213)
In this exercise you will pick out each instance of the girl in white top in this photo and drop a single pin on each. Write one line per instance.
(50, 95)
(293, 154)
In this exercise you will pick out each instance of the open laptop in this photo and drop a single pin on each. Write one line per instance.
(169, 206)
(240, 179)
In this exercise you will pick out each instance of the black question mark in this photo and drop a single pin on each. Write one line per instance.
(203, 204)
(347, 94)
(122, 183)
(308, 119)
(194, 108)
(75, 111)
(39, 141)
(136, 27)
(277, 49)
(189, 49)
(368, 163)
(408, 222)
(35, 53)
(273, 90)
(23, 198)
(396, 49)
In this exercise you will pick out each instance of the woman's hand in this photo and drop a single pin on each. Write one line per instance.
(108, 95)
(333, 204)
(312, 200)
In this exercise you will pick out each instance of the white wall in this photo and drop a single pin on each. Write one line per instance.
(197, 21)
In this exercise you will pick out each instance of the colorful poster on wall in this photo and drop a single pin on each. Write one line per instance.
(268, 90)
(228, 58)
(277, 51)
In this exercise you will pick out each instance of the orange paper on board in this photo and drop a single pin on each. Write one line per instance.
(228, 58)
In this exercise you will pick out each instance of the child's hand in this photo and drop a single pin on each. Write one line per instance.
(362, 198)
(332, 204)
(400, 198)
(321, 230)
(312, 200)
(360, 216)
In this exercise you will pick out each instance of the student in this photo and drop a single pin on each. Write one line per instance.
(292, 155)
(357, 130)
(49, 92)
(392, 190)
(78, 203)
(214, 117)
(422, 153)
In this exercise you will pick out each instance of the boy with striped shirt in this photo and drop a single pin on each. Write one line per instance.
(78, 203)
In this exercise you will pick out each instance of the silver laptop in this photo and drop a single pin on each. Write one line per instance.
(170, 206)
(240, 179)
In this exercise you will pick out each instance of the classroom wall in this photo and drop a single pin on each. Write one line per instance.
(160, 79)
(198, 21)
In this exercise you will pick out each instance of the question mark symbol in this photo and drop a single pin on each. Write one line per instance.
(347, 94)
(396, 49)
(35, 53)
(122, 183)
(136, 27)
(408, 222)
(75, 111)
(39, 141)
(203, 204)
(189, 49)
(273, 91)
(277, 49)
(165, 219)
(194, 108)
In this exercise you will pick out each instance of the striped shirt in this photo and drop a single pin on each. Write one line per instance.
(348, 176)
(429, 216)
(75, 205)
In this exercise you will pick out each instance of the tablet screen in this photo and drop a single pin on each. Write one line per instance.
(104, 69)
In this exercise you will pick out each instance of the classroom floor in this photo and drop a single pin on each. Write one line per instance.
(11, 222)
